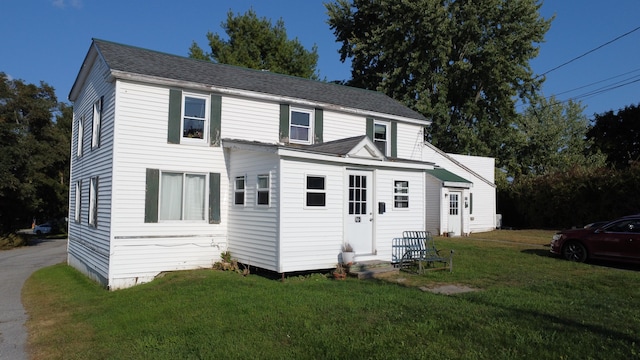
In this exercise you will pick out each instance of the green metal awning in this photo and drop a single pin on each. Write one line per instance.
(449, 179)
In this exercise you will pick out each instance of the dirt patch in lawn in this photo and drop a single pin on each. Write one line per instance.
(448, 289)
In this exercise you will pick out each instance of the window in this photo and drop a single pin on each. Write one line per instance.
(78, 200)
(182, 196)
(80, 135)
(357, 194)
(401, 194)
(93, 202)
(381, 136)
(316, 195)
(263, 189)
(239, 190)
(194, 118)
(453, 204)
(301, 125)
(97, 118)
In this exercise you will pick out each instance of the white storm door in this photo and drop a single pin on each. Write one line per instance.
(359, 212)
(455, 213)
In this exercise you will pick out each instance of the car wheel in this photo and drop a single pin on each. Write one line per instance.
(574, 251)
(38, 232)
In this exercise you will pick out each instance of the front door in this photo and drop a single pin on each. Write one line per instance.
(359, 212)
(455, 213)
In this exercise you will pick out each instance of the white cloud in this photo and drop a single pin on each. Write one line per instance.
(66, 3)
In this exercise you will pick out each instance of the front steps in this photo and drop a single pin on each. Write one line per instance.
(371, 269)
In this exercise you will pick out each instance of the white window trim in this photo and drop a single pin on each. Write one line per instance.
(244, 190)
(387, 140)
(267, 189)
(316, 191)
(97, 119)
(80, 136)
(207, 119)
(93, 201)
(395, 193)
(206, 197)
(311, 113)
(78, 201)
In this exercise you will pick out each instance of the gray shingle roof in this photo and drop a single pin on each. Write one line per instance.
(145, 62)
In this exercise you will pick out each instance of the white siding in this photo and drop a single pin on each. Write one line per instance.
(253, 229)
(483, 166)
(484, 194)
(142, 250)
(341, 126)
(310, 237)
(410, 141)
(250, 120)
(394, 221)
(89, 246)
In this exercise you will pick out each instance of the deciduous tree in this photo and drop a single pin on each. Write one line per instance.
(257, 44)
(463, 64)
(618, 136)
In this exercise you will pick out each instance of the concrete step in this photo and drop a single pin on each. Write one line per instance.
(371, 269)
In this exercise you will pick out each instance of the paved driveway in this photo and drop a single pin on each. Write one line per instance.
(15, 267)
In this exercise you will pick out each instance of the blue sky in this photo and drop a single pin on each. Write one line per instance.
(46, 40)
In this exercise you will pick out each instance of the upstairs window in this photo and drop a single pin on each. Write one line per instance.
(316, 194)
(97, 119)
(300, 128)
(263, 190)
(381, 137)
(401, 194)
(239, 190)
(80, 136)
(194, 118)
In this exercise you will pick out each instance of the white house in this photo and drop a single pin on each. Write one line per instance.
(175, 160)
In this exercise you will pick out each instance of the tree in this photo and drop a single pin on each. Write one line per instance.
(550, 136)
(257, 44)
(618, 136)
(462, 64)
(34, 153)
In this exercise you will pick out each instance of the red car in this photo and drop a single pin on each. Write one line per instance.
(615, 240)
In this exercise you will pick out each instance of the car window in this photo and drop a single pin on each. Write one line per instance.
(625, 226)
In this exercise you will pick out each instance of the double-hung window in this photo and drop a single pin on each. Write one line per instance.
(401, 194)
(301, 125)
(262, 188)
(97, 119)
(182, 196)
(80, 136)
(93, 202)
(78, 200)
(195, 118)
(239, 190)
(316, 193)
(381, 137)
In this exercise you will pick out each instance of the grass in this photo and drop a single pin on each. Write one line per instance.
(529, 305)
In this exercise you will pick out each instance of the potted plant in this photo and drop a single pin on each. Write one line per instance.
(340, 273)
(347, 254)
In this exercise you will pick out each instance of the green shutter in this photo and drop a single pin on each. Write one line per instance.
(470, 203)
(152, 188)
(175, 112)
(216, 120)
(318, 124)
(394, 139)
(284, 123)
(214, 198)
(370, 128)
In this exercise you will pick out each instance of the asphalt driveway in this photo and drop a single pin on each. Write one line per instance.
(15, 267)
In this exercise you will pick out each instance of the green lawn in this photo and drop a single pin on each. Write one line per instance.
(529, 305)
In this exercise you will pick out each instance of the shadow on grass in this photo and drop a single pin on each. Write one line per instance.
(603, 263)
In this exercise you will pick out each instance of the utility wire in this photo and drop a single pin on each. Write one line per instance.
(589, 52)
(597, 82)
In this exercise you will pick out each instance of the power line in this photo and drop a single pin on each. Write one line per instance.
(597, 82)
(588, 52)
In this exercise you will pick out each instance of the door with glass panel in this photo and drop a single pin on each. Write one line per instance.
(359, 211)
